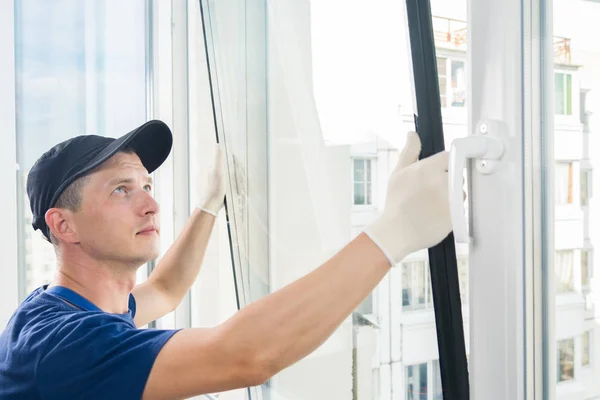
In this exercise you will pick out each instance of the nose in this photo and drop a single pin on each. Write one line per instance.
(148, 204)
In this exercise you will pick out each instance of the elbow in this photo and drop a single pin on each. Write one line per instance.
(261, 368)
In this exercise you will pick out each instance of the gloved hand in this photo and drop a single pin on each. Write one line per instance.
(416, 214)
(215, 193)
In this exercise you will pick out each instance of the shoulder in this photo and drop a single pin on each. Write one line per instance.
(99, 354)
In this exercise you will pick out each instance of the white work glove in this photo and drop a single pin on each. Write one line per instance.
(215, 189)
(417, 210)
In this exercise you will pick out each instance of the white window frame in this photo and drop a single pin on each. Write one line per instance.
(373, 160)
(9, 273)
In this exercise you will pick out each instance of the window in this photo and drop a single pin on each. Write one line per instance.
(584, 188)
(566, 351)
(363, 179)
(585, 348)
(564, 183)
(563, 94)
(80, 69)
(416, 285)
(441, 67)
(585, 269)
(453, 88)
(416, 382)
(463, 279)
(437, 392)
(563, 264)
(422, 384)
(366, 307)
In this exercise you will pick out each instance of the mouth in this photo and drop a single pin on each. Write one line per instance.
(152, 230)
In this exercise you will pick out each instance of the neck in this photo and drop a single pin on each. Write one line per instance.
(106, 286)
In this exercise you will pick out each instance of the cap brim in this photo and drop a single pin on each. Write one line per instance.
(152, 142)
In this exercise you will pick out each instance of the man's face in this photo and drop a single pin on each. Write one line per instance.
(118, 220)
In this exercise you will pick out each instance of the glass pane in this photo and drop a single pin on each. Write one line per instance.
(80, 69)
(326, 106)
(559, 94)
(566, 360)
(584, 188)
(585, 272)
(459, 84)
(416, 382)
(569, 91)
(577, 104)
(436, 389)
(585, 350)
(359, 170)
(369, 192)
(564, 271)
(563, 184)
(359, 193)
(441, 68)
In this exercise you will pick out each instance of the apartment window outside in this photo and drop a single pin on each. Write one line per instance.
(584, 188)
(563, 264)
(416, 382)
(424, 381)
(453, 86)
(463, 279)
(563, 94)
(438, 393)
(585, 348)
(363, 181)
(566, 351)
(564, 183)
(416, 285)
(585, 269)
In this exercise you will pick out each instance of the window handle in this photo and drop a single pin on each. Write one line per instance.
(482, 146)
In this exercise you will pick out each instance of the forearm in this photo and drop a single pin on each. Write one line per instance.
(289, 324)
(180, 266)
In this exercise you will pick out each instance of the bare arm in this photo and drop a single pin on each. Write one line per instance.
(176, 272)
(278, 330)
(272, 333)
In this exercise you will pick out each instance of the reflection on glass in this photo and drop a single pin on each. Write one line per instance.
(80, 68)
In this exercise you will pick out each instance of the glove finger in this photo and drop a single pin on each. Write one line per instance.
(410, 152)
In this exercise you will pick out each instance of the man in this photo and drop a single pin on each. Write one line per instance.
(79, 337)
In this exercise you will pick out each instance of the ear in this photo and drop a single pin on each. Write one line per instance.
(60, 222)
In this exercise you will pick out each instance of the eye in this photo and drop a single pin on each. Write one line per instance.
(148, 188)
(120, 189)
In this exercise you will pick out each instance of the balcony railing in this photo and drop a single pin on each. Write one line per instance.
(451, 33)
(562, 50)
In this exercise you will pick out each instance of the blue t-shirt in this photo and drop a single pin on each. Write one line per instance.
(52, 349)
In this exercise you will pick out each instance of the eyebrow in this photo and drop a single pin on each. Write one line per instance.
(120, 181)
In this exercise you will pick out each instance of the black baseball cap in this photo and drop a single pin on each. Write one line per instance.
(67, 161)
